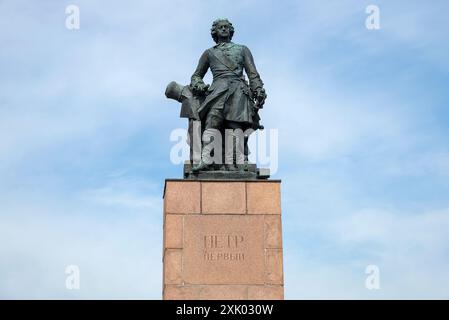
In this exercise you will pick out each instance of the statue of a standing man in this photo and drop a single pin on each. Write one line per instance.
(230, 103)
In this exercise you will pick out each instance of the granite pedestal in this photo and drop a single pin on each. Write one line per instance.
(222, 240)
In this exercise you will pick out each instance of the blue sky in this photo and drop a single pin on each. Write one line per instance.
(363, 151)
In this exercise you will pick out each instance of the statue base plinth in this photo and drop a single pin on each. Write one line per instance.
(222, 240)
(246, 172)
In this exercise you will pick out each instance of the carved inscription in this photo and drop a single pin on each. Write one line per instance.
(223, 249)
(228, 247)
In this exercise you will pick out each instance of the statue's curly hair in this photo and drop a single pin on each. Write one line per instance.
(213, 30)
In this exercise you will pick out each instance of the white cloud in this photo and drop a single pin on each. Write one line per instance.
(318, 123)
(409, 248)
(114, 236)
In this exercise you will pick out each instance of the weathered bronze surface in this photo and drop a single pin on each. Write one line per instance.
(228, 107)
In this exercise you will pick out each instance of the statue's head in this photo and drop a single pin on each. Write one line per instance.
(218, 26)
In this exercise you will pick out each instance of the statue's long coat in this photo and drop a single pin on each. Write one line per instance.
(229, 90)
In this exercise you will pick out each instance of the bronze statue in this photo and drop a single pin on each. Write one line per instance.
(228, 103)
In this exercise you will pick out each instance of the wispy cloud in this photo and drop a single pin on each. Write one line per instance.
(410, 250)
(104, 232)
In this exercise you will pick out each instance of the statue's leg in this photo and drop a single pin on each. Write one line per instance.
(246, 152)
(234, 136)
(223, 148)
(212, 140)
(246, 149)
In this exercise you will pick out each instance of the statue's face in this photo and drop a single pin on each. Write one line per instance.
(223, 30)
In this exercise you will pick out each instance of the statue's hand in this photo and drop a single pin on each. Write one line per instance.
(200, 88)
(260, 97)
